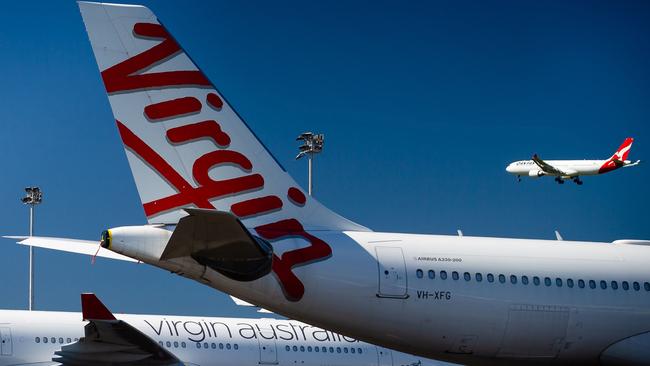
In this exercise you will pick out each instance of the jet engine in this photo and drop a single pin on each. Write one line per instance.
(535, 173)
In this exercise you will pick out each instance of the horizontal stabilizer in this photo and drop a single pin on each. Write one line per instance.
(87, 247)
(219, 240)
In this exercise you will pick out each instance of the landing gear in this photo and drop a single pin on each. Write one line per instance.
(519, 178)
(577, 181)
(559, 180)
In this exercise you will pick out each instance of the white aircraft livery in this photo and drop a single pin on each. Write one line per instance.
(60, 338)
(572, 169)
(222, 211)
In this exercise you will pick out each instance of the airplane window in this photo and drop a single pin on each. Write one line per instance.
(302, 348)
(221, 346)
(161, 344)
(213, 345)
(68, 340)
(614, 285)
(331, 349)
(235, 346)
(636, 286)
(454, 275)
(60, 340)
(316, 349)
(38, 339)
(513, 279)
(626, 286)
(432, 274)
(338, 349)
(169, 344)
(183, 344)
(569, 283)
(490, 277)
(443, 275)
(467, 276)
(360, 350)
(419, 273)
(479, 277)
(592, 284)
(603, 285)
(353, 350)
(646, 286)
(502, 278)
(295, 348)
(287, 348)
(308, 348)
(547, 281)
(227, 345)
(536, 280)
(345, 349)
(205, 345)
(175, 344)
(524, 280)
(324, 349)
(76, 339)
(44, 339)
(53, 340)
(198, 345)
(558, 282)
(581, 283)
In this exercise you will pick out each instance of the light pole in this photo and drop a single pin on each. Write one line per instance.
(33, 197)
(311, 144)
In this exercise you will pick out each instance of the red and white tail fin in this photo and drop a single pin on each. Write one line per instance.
(623, 151)
(185, 144)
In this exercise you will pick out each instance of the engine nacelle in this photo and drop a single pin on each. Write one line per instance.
(145, 243)
(534, 173)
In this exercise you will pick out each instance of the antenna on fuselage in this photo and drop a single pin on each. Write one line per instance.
(558, 236)
(460, 232)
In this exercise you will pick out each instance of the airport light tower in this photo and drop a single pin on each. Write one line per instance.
(311, 144)
(33, 197)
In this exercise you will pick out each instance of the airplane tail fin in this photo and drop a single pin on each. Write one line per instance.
(623, 151)
(186, 146)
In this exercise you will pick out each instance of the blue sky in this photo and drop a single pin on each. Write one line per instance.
(423, 104)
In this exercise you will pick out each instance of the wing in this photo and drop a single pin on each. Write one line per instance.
(87, 247)
(546, 167)
(109, 341)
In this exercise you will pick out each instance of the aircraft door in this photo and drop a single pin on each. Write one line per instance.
(384, 357)
(392, 272)
(6, 348)
(268, 349)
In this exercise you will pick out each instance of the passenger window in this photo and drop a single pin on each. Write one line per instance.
(360, 350)
(547, 281)
(603, 285)
(636, 286)
(302, 348)
(221, 346)
(626, 286)
(353, 350)
(324, 349)
(227, 345)
(183, 344)
(646, 286)
(61, 340)
(467, 276)
(235, 346)
(419, 273)
(287, 348)
(581, 283)
(443, 275)
(513, 279)
(502, 278)
(338, 349)
(614, 285)
(206, 345)
(68, 340)
(490, 277)
(479, 277)
(345, 349)
(592, 284)
(38, 339)
(331, 349)
(44, 339)
(536, 280)
(169, 344)
(317, 349)
(558, 282)
(175, 344)
(213, 345)
(161, 344)
(295, 348)
(454, 275)
(432, 274)
(569, 283)
(524, 280)
(53, 340)
(308, 348)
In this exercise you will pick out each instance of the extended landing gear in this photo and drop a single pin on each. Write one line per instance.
(519, 178)
(577, 181)
(559, 180)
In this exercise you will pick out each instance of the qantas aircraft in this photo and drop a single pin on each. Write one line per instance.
(222, 211)
(60, 338)
(572, 169)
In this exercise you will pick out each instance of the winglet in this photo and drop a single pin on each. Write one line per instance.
(93, 309)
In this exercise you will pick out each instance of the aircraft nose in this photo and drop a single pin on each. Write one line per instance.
(509, 168)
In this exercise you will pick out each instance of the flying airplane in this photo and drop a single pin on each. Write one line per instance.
(572, 169)
(60, 338)
(223, 211)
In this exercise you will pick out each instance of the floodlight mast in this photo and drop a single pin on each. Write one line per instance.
(312, 144)
(33, 197)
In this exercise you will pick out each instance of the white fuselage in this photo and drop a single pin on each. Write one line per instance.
(374, 283)
(33, 337)
(571, 167)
